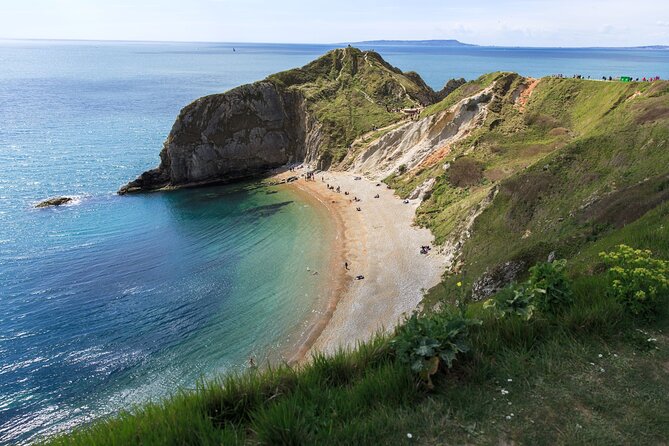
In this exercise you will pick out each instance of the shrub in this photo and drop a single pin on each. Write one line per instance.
(402, 169)
(637, 280)
(513, 300)
(429, 342)
(465, 172)
(551, 287)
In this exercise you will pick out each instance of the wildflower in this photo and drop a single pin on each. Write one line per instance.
(509, 380)
(508, 417)
(600, 355)
(409, 435)
(509, 403)
(652, 340)
(601, 370)
(459, 284)
(504, 392)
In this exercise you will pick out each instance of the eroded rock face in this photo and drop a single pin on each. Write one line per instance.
(413, 143)
(294, 116)
(226, 137)
(56, 201)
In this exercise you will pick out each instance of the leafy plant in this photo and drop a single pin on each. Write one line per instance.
(426, 343)
(637, 280)
(551, 286)
(513, 300)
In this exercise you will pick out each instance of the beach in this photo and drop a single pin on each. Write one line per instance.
(378, 242)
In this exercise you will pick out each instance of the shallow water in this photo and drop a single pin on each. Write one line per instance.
(116, 300)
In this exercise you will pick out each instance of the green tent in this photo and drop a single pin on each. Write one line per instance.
(625, 79)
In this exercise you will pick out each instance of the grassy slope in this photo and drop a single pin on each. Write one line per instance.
(561, 390)
(608, 170)
(350, 92)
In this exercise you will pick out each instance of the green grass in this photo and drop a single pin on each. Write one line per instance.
(582, 169)
(591, 375)
(349, 93)
(468, 89)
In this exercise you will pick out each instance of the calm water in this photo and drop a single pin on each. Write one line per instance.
(116, 300)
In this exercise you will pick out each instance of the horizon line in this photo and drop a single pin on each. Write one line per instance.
(334, 44)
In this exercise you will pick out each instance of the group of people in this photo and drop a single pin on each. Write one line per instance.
(611, 78)
(425, 249)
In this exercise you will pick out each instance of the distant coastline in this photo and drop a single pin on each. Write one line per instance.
(428, 43)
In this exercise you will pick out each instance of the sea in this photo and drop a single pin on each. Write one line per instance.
(112, 301)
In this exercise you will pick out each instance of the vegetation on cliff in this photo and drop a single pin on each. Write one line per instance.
(351, 92)
(509, 348)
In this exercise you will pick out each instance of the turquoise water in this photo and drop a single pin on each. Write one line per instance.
(117, 300)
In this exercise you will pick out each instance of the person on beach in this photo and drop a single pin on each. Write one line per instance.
(346, 266)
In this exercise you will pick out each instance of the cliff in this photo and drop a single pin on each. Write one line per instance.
(308, 114)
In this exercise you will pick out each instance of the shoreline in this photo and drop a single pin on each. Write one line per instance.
(379, 242)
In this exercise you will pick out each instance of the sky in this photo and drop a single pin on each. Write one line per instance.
(483, 22)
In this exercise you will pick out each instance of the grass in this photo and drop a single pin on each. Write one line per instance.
(350, 93)
(591, 375)
(580, 170)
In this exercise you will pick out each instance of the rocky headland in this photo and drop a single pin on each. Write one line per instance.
(310, 114)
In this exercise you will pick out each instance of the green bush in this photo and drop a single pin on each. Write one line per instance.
(637, 280)
(551, 287)
(513, 300)
(429, 342)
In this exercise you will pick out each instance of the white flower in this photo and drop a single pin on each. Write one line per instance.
(504, 392)
(508, 417)
(510, 380)
(652, 340)
(509, 403)
(512, 414)
(601, 370)
(600, 355)
(409, 435)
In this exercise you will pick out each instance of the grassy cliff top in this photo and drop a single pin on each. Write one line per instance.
(570, 160)
(579, 167)
(351, 92)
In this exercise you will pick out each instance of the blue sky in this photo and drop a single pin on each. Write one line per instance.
(516, 22)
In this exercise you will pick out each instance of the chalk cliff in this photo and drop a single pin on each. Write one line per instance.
(310, 114)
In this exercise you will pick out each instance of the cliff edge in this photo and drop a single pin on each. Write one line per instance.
(311, 114)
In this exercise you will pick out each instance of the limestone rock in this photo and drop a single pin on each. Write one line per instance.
(56, 201)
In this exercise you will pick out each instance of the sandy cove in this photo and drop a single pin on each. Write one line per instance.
(379, 242)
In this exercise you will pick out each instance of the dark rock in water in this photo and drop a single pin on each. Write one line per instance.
(57, 201)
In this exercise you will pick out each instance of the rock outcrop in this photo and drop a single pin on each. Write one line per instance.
(309, 114)
(413, 143)
(56, 201)
(229, 137)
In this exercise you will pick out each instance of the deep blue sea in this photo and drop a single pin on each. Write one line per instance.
(112, 301)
